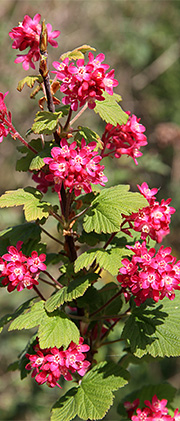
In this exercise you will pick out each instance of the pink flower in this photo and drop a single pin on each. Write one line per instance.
(125, 139)
(76, 167)
(153, 220)
(82, 82)
(19, 271)
(51, 363)
(149, 275)
(27, 35)
(35, 262)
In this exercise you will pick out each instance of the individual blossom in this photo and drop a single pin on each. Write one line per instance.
(27, 35)
(49, 364)
(149, 274)
(125, 139)
(76, 167)
(20, 271)
(152, 220)
(84, 83)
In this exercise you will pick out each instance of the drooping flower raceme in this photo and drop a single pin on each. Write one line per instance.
(149, 275)
(125, 139)
(82, 82)
(19, 271)
(27, 35)
(157, 410)
(153, 220)
(75, 167)
(50, 364)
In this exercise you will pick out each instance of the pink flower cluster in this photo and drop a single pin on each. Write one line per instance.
(18, 270)
(82, 82)
(51, 363)
(76, 167)
(153, 220)
(5, 118)
(27, 35)
(148, 275)
(156, 411)
(125, 139)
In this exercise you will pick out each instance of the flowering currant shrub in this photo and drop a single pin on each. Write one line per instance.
(99, 229)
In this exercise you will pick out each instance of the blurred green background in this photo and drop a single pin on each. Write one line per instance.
(140, 39)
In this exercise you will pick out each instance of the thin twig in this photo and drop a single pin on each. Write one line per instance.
(78, 114)
(111, 342)
(38, 293)
(106, 304)
(52, 279)
(47, 282)
(51, 236)
(18, 136)
(79, 214)
(56, 216)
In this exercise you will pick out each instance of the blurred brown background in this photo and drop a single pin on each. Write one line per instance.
(140, 39)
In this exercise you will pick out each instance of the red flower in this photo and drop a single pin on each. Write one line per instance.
(27, 35)
(125, 139)
(84, 83)
(75, 167)
(148, 275)
(51, 363)
(19, 271)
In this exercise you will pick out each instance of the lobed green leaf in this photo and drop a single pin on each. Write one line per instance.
(29, 81)
(75, 289)
(110, 111)
(56, 329)
(46, 122)
(107, 259)
(29, 319)
(105, 213)
(24, 232)
(20, 310)
(93, 398)
(30, 198)
(154, 329)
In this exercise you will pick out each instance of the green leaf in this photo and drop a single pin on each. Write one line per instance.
(75, 289)
(56, 329)
(29, 81)
(65, 408)
(154, 329)
(93, 398)
(30, 199)
(29, 319)
(77, 52)
(110, 111)
(23, 163)
(46, 122)
(88, 134)
(21, 309)
(105, 213)
(34, 162)
(24, 232)
(107, 259)
(37, 163)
